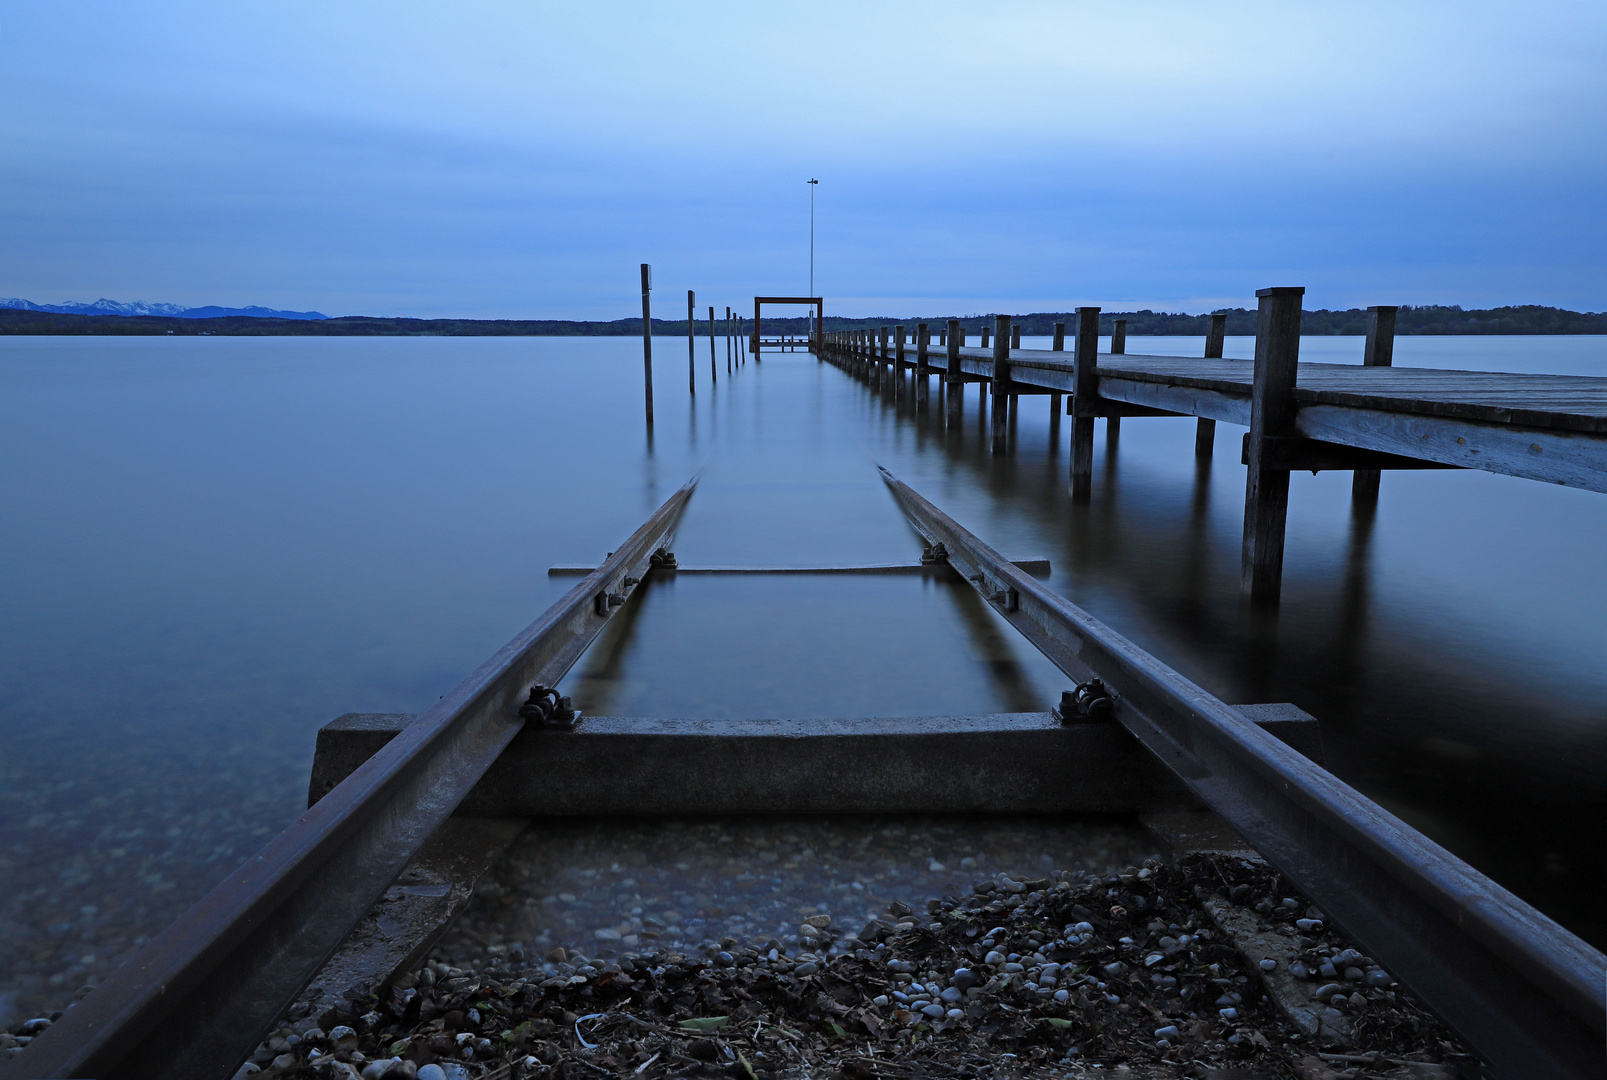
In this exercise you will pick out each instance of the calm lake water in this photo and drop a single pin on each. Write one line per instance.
(212, 546)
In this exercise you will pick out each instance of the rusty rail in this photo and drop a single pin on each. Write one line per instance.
(1523, 991)
(203, 993)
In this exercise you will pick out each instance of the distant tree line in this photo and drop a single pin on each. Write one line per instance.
(1431, 319)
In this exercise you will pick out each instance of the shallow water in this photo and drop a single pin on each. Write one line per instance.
(212, 546)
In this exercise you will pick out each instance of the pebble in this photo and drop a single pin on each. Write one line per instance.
(1062, 995)
(953, 995)
(431, 1072)
(1378, 977)
(1269, 964)
(936, 1012)
(246, 1070)
(995, 958)
(963, 979)
(1170, 1031)
(1228, 1014)
(806, 968)
(1327, 990)
(1309, 926)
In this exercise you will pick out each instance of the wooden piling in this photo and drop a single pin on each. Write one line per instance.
(1204, 429)
(1272, 415)
(1001, 384)
(728, 341)
(1380, 352)
(923, 374)
(942, 337)
(1118, 338)
(714, 375)
(1054, 399)
(691, 342)
(954, 384)
(647, 339)
(1084, 403)
(984, 335)
(1015, 336)
(898, 360)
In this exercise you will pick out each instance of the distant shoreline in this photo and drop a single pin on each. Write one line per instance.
(1428, 320)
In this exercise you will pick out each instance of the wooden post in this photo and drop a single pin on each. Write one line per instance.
(1272, 414)
(898, 360)
(984, 335)
(647, 339)
(1084, 403)
(1118, 338)
(953, 383)
(756, 348)
(1205, 430)
(1380, 352)
(1001, 385)
(882, 360)
(714, 375)
(923, 374)
(1015, 336)
(728, 342)
(1054, 399)
(691, 343)
(943, 337)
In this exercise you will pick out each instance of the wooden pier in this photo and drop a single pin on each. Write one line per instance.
(390, 839)
(1367, 418)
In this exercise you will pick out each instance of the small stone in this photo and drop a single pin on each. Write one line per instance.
(935, 867)
(246, 1070)
(1012, 968)
(724, 959)
(819, 922)
(1310, 926)
(607, 935)
(995, 958)
(808, 967)
(1062, 995)
(1378, 977)
(964, 978)
(1168, 1032)
(285, 1061)
(336, 1034)
(1354, 974)
(1228, 1014)
(34, 1026)
(431, 1072)
(955, 1014)
(558, 955)
(936, 1012)
(1269, 964)
(880, 999)
(953, 995)
(1327, 990)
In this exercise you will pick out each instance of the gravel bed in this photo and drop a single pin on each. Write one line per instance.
(1071, 973)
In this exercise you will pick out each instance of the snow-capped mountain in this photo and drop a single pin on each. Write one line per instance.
(104, 306)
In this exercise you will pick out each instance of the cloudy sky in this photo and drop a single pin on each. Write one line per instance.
(520, 159)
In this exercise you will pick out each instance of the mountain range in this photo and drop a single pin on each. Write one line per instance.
(176, 311)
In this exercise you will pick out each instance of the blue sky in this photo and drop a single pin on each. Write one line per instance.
(520, 159)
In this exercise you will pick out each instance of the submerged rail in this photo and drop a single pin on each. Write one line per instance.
(1523, 991)
(202, 994)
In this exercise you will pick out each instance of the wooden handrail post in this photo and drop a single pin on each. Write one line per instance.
(647, 340)
(1001, 384)
(1272, 414)
(1205, 430)
(985, 335)
(923, 373)
(1084, 403)
(1380, 352)
(1015, 335)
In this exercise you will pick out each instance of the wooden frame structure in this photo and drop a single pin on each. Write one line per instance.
(820, 315)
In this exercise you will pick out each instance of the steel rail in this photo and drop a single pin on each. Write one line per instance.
(197, 999)
(1524, 992)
